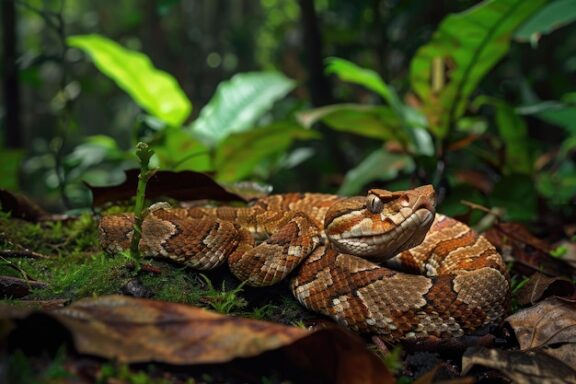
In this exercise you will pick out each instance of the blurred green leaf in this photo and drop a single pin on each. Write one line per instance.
(10, 160)
(562, 114)
(517, 195)
(364, 120)
(558, 186)
(514, 133)
(379, 165)
(348, 71)
(181, 152)
(465, 47)
(551, 17)
(237, 104)
(154, 90)
(241, 152)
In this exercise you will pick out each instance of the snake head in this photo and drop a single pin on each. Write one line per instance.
(383, 223)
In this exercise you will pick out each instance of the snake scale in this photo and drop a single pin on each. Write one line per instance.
(384, 263)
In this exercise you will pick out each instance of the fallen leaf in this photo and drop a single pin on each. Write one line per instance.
(184, 185)
(14, 287)
(549, 322)
(540, 286)
(520, 367)
(20, 206)
(529, 253)
(566, 353)
(131, 330)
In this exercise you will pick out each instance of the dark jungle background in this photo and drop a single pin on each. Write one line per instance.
(326, 95)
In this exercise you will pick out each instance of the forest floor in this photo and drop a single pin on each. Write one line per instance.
(72, 313)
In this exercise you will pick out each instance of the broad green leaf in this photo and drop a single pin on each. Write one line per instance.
(240, 153)
(514, 133)
(553, 112)
(353, 73)
(180, 152)
(238, 104)
(465, 47)
(551, 17)
(10, 160)
(379, 165)
(152, 89)
(364, 120)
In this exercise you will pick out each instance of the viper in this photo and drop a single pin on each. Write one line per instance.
(384, 263)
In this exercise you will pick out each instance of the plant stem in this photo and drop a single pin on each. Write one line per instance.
(144, 154)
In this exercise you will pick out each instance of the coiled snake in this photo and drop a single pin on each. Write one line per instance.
(344, 256)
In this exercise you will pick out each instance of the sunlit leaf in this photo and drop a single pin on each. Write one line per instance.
(364, 120)
(465, 47)
(353, 73)
(379, 165)
(238, 103)
(240, 153)
(551, 17)
(154, 90)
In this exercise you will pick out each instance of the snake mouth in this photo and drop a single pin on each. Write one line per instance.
(407, 234)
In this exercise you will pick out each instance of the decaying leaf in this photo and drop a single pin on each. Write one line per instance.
(20, 206)
(549, 322)
(131, 330)
(540, 286)
(530, 254)
(184, 185)
(14, 287)
(520, 367)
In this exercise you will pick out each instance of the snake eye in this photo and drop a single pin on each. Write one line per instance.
(374, 204)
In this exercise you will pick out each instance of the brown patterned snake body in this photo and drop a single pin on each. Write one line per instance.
(343, 251)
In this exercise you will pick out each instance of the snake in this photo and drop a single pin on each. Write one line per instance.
(384, 264)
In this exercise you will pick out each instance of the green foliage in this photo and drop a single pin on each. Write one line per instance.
(21, 369)
(237, 104)
(144, 153)
(154, 90)
(223, 300)
(379, 165)
(554, 15)
(10, 160)
(465, 47)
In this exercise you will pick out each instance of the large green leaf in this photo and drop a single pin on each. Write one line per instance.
(238, 103)
(364, 120)
(409, 123)
(240, 153)
(348, 71)
(181, 152)
(154, 90)
(379, 165)
(465, 47)
(551, 17)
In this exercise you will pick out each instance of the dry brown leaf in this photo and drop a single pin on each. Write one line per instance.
(14, 287)
(530, 254)
(540, 286)
(549, 322)
(566, 353)
(183, 185)
(521, 367)
(20, 206)
(132, 330)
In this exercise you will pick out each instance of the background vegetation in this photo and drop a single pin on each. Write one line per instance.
(331, 95)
